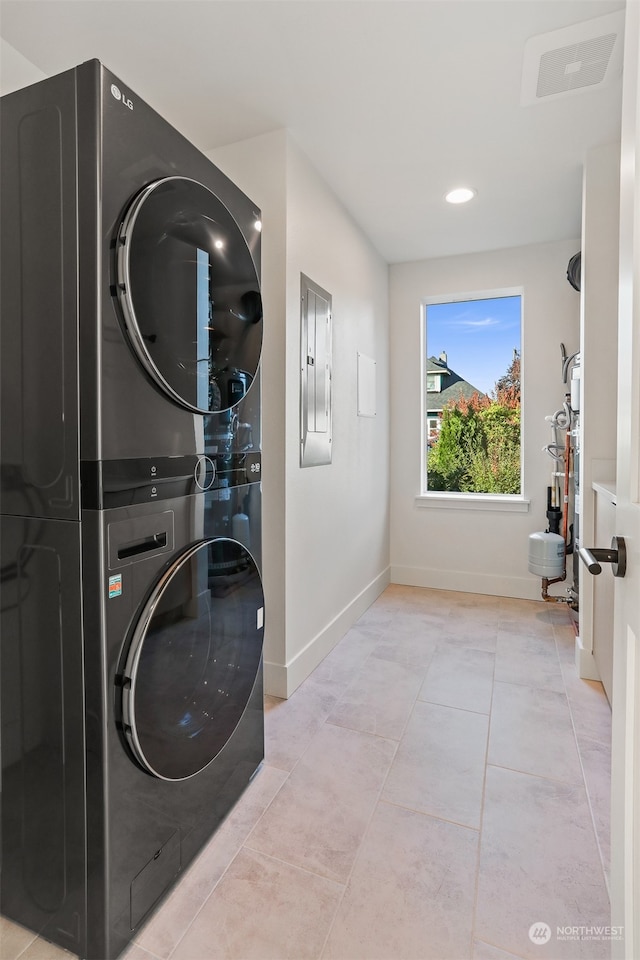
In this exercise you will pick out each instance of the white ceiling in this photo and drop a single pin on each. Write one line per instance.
(394, 101)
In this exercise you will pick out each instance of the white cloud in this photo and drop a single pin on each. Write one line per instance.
(486, 322)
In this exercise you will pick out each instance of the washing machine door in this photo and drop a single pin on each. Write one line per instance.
(193, 659)
(189, 293)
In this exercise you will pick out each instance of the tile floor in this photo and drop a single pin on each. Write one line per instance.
(438, 785)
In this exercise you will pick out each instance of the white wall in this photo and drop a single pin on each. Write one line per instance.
(338, 514)
(326, 528)
(15, 70)
(478, 550)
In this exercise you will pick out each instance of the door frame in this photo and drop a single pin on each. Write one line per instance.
(625, 766)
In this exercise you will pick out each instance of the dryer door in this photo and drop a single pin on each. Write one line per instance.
(193, 659)
(189, 293)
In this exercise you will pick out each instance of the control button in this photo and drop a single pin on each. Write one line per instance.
(252, 467)
(204, 473)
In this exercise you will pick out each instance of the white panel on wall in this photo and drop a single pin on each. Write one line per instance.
(366, 386)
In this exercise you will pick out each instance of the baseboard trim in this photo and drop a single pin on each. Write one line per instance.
(585, 662)
(275, 680)
(492, 585)
(281, 680)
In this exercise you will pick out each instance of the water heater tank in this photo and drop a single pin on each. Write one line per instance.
(546, 555)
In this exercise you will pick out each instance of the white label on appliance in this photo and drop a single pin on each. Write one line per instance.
(260, 618)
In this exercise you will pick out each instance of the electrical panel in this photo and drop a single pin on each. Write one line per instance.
(315, 374)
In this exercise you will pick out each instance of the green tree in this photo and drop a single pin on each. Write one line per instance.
(478, 447)
(507, 388)
(496, 468)
(450, 458)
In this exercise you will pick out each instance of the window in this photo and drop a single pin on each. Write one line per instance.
(433, 429)
(471, 394)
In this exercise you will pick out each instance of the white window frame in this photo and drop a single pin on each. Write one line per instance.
(509, 502)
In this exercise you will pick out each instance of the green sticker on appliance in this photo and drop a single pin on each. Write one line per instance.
(115, 586)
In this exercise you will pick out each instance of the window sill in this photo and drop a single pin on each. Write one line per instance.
(474, 501)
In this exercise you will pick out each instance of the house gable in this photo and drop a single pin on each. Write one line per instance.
(451, 385)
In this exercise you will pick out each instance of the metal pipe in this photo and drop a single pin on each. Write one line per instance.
(546, 583)
(565, 365)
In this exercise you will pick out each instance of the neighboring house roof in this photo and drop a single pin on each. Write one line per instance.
(453, 385)
(437, 366)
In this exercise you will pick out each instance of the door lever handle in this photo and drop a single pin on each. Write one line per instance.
(592, 557)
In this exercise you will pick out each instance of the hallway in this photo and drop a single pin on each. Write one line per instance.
(436, 787)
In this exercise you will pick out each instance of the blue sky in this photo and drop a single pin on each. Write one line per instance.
(478, 336)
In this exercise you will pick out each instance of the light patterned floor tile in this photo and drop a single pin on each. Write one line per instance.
(411, 891)
(512, 608)
(596, 760)
(589, 706)
(529, 660)
(460, 676)
(411, 648)
(290, 725)
(404, 598)
(416, 622)
(475, 601)
(528, 627)
(470, 633)
(531, 731)
(538, 864)
(484, 951)
(379, 700)
(40, 949)
(135, 952)
(470, 613)
(345, 660)
(319, 816)
(262, 909)
(439, 766)
(14, 939)
(565, 637)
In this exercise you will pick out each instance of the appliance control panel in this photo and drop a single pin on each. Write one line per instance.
(120, 483)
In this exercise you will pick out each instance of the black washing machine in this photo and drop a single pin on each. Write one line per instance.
(132, 605)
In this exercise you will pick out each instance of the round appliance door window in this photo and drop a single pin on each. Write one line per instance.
(189, 293)
(193, 659)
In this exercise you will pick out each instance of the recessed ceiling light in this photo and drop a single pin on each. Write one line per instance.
(460, 195)
(258, 225)
(218, 244)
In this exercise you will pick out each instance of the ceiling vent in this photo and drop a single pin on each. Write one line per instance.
(582, 57)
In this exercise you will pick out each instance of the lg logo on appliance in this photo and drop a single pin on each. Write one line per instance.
(115, 92)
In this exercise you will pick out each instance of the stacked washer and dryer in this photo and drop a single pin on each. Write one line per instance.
(132, 604)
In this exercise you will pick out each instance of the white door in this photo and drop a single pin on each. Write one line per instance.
(625, 813)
